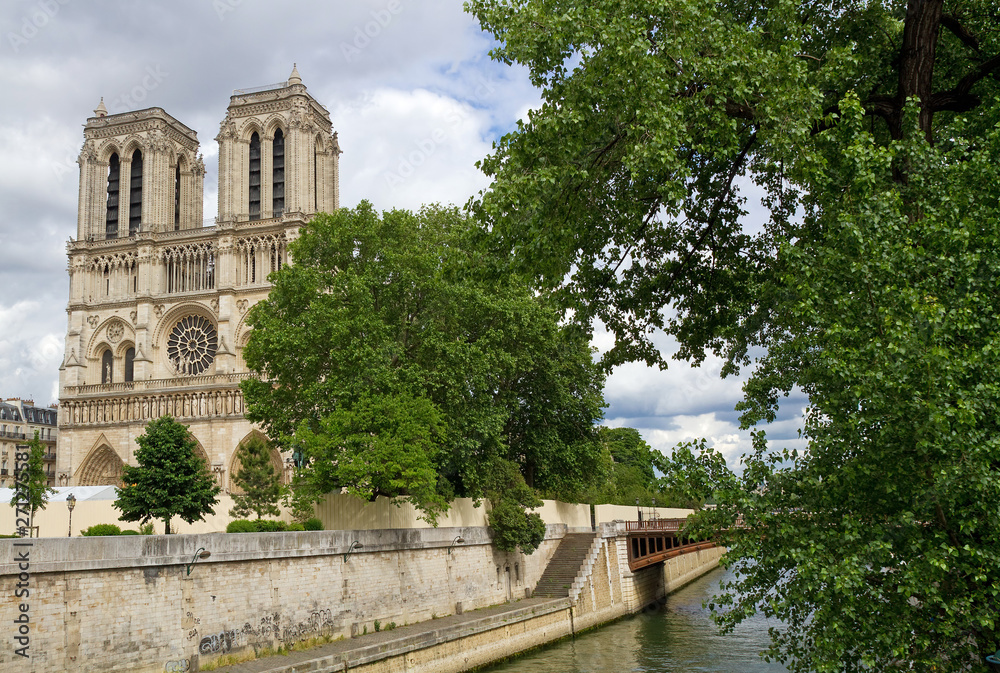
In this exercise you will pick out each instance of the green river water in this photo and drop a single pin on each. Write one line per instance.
(679, 637)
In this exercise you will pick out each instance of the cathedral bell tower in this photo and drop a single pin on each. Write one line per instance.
(277, 155)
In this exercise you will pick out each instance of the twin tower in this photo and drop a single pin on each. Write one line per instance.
(158, 297)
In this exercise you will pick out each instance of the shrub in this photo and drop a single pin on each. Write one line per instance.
(102, 529)
(270, 526)
(295, 526)
(313, 523)
(129, 532)
(256, 526)
(241, 526)
(146, 529)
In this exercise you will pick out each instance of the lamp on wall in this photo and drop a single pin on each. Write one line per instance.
(202, 553)
(458, 540)
(354, 545)
(70, 504)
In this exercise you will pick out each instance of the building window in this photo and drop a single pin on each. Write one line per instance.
(107, 367)
(255, 177)
(135, 195)
(111, 221)
(191, 345)
(129, 363)
(177, 197)
(278, 175)
(316, 177)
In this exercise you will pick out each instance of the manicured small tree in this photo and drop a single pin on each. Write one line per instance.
(169, 480)
(31, 486)
(260, 482)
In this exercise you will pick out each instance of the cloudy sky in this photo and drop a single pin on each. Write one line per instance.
(412, 92)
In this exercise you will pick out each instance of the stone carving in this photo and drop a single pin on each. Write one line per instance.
(158, 310)
(133, 316)
(215, 305)
(242, 305)
(93, 320)
(157, 141)
(227, 130)
(115, 331)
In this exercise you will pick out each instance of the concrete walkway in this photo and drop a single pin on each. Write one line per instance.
(374, 646)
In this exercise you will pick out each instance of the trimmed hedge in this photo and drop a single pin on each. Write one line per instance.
(256, 526)
(102, 529)
(313, 524)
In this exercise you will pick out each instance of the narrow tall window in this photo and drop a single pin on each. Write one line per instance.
(254, 177)
(316, 177)
(177, 197)
(107, 367)
(278, 176)
(129, 364)
(114, 173)
(135, 194)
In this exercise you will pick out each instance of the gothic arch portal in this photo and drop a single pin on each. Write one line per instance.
(102, 467)
(234, 464)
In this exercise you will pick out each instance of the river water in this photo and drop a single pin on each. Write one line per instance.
(679, 637)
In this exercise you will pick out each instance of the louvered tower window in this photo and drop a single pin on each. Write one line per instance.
(316, 177)
(177, 198)
(111, 221)
(254, 177)
(135, 195)
(278, 176)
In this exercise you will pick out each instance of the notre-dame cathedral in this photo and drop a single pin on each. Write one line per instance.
(158, 298)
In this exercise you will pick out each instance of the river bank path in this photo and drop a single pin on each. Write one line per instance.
(350, 653)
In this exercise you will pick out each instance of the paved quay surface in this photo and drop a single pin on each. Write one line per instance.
(384, 644)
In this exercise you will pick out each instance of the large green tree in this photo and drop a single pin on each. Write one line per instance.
(867, 278)
(31, 483)
(169, 479)
(402, 363)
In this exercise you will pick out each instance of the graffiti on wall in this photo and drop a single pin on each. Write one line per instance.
(268, 629)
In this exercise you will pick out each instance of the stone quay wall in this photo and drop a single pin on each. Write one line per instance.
(146, 603)
(129, 603)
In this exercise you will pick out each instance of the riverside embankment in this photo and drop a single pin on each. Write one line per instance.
(155, 604)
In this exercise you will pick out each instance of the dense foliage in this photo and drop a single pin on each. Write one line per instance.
(31, 483)
(868, 280)
(400, 362)
(168, 480)
(259, 481)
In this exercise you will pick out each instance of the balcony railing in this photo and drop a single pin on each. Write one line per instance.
(49, 457)
(12, 435)
(206, 380)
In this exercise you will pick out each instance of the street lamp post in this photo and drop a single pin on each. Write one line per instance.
(70, 504)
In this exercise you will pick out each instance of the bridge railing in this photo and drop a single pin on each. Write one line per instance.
(671, 525)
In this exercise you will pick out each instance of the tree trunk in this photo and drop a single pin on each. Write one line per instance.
(916, 62)
(166, 526)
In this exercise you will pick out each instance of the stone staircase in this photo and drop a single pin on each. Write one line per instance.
(565, 565)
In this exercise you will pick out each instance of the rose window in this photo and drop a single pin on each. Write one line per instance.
(191, 345)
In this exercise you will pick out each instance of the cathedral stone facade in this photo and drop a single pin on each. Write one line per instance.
(159, 298)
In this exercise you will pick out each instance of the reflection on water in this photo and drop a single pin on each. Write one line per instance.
(678, 638)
